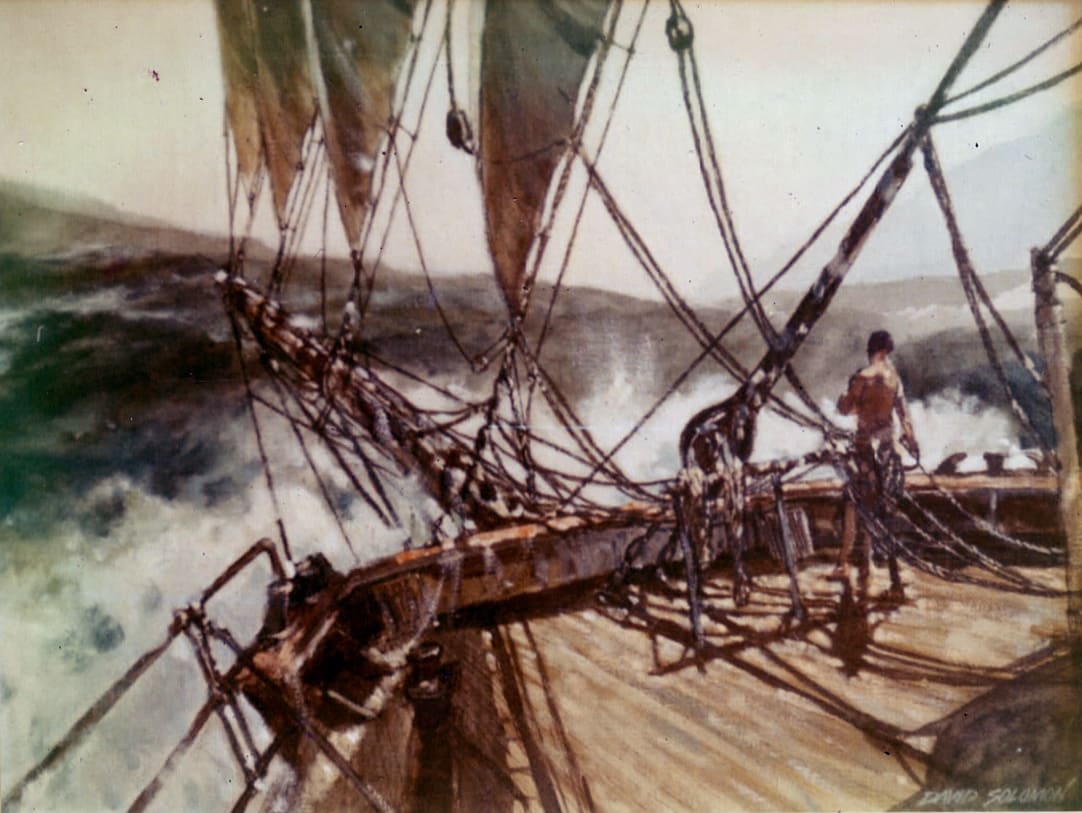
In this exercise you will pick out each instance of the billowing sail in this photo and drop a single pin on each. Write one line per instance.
(236, 34)
(281, 59)
(360, 47)
(533, 59)
(267, 68)
(286, 98)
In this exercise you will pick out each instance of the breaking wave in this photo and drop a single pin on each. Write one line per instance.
(125, 498)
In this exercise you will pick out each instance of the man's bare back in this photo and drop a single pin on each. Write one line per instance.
(875, 393)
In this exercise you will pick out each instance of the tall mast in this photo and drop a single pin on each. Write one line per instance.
(734, 418)
(1052, 340)
(814, 304)
(717, 441)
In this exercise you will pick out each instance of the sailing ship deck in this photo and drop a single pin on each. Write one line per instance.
(569, 704)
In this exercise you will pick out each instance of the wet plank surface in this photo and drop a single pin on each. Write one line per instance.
(840, 714)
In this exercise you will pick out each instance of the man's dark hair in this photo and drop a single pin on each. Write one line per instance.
(880, 341)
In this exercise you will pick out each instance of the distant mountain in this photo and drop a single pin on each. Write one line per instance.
(124, 360)
(43, 223)
(1008, 199)
(49, 246)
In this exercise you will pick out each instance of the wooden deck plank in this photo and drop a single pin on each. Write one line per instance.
(774, 723)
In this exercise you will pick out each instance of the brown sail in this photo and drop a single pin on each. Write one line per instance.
(265, 58)
(236, 37)
(566, 652)
(533, 59)
(360, 47)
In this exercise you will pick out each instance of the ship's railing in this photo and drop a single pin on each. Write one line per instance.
(193, 623)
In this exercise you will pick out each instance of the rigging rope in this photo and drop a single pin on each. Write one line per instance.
(791, 262)
(1064, 236)
(412, 376)
(386, 513)
(294, 200)
(299, 223)
(301, 719)
(361, 289)
(236, 264)
(251, 787)
(106, 702)
(268, 475)
(302, 195)
(371, 469)
(983, 525)
(233, 185)
(796, 382)
(715, 443)
(1016, 65)
(1012, 581)
(785, 269)
(465, 412)
(714, 341)
(101, 707)
(1023, 358)
(459, 132)
(679, 306)
(681, 39)
(150, 790)
(520, 436)
(566, 261)
(532, 375)
(473, 360)
(752, 299)
(948, 541)
(293, 424)
(231, 189)
(565, 413)
(539, 245)
(323, 255)
(967, 274)
(363, 297)
(220, 695)
(471, 408)
(1009, 99)
(571, 145)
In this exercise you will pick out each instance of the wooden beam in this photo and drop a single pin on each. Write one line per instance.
(816, 301)
(1052, 339)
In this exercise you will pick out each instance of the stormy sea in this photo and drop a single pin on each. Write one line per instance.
(130, 475)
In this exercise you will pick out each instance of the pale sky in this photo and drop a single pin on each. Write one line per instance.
(122, 100)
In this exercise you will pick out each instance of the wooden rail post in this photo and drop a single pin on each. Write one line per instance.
(1052, 339)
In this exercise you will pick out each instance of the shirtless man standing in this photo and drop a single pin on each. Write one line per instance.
(874, 395)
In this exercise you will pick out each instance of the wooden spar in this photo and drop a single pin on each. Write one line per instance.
(720, 438)
(401, 432)
(811, 308)
(1052, 339)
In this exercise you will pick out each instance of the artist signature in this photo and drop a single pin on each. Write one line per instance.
(973, 799)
